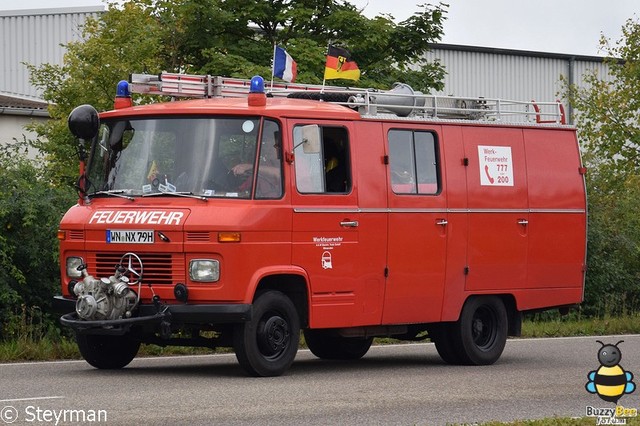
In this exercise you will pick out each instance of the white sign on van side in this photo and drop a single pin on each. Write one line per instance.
(496, 165)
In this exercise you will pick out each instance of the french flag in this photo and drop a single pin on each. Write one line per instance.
(284, 66)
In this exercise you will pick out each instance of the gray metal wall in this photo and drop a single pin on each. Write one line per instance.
(35, 37)
(511, 74)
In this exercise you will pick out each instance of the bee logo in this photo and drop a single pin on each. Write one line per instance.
(610, 381)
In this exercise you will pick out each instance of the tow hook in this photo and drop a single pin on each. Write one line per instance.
(165, 324)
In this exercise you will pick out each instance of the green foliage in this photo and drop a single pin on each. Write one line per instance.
(30, 210)
(609, 110)
(123, 40)
(613, 275)
(608, 120)
(224, 37)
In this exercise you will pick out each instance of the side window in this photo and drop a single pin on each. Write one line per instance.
(269, 180)
(322, 161)
(412, 158)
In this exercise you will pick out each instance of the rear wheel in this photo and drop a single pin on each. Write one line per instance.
(267, 345)
(327, 344)
(483, 330)
(107, 352)
(478, 337)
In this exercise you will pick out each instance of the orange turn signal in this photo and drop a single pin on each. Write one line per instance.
(228, 237)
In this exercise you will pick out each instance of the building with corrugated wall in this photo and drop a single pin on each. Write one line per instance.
(511, 74)
(32, 37)
(36, 37)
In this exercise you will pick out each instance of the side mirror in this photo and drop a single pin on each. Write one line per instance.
(311, 139)
(84, 122)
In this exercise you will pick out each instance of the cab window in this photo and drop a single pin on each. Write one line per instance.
(413, 162)
(269, 180)
(322, 162)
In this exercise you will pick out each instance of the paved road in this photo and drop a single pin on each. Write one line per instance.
(391, 385)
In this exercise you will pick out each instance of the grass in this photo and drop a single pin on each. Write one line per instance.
(31, 341)
(561, 421)
(567, 326)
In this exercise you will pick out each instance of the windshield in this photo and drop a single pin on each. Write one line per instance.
(210, 157)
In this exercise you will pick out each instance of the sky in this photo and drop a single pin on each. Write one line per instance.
(560, 26)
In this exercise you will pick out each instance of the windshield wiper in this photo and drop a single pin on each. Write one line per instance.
(115, 193)
(177, 194)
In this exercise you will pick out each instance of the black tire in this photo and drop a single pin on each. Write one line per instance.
(443, 336)
(267, 345)
(327, 344)
(107, 352)
(481, 332)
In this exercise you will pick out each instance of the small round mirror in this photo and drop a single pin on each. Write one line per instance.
(248, 126)
(84, 122)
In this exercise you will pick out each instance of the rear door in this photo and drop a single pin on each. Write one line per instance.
(558, 213)
(498, 208)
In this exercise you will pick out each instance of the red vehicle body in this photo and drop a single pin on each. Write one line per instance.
(441, 226)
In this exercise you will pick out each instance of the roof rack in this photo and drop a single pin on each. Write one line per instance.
(401, 100)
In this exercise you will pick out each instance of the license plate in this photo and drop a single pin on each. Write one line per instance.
(129, 236)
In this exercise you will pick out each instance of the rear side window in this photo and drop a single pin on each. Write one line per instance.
(322, 161)
(413, 162)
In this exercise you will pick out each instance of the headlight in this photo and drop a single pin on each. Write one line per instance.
(204, 270)
(72, 267)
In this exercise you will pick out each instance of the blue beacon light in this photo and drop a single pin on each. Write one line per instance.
(122, 89)
(257, 96)
(256, 85)
(123, 95)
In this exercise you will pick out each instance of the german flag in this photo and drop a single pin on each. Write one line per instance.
(340, 65)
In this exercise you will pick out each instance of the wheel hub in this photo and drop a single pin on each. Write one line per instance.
(273, 336)
(482, 328)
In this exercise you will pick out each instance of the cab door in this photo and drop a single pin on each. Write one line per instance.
(418, 226)
(329, 228)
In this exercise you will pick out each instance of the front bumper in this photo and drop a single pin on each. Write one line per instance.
(151, 315)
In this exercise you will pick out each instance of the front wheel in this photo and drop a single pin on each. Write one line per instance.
(107, 352)
(267, 344)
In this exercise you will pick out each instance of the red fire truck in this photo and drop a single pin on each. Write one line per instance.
(245, 216)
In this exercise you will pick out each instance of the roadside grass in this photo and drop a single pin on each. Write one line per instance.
(562, 421)
(558, 326)
(33, 342)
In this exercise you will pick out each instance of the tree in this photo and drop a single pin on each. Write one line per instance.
(226, 37)
(608, 111)
(30, 211)
(120, 41)
(608, 121)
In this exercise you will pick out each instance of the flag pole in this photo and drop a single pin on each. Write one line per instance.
(273, 65)
(324, 74)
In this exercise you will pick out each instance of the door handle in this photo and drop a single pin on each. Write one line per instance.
(349, 223)
(442, 222)
(523, 222)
